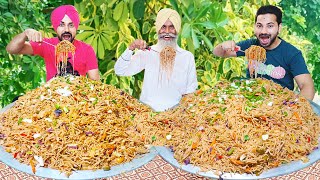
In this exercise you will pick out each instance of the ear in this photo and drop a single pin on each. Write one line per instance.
(280, 27)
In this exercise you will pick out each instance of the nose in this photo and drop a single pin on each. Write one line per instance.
(167, 29)
(66, 29)
(263, 30)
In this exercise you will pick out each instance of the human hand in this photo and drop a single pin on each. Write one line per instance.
(229, 46)
(138, 44)
(33, 35)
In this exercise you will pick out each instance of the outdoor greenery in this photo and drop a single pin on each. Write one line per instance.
(109, 26)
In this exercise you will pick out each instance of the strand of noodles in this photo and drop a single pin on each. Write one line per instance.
(90, 133)
(223, 128)
(62, 50)
(255, 54)
(167, 58)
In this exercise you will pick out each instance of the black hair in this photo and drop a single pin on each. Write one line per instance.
(270, 9)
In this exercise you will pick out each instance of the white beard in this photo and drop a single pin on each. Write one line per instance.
(166, 68)
(163, 43)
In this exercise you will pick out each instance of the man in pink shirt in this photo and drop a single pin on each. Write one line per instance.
(65, 21)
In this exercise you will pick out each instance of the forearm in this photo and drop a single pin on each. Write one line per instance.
(307, 92)
(17, 44)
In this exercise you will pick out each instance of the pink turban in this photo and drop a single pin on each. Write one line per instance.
(58, 14)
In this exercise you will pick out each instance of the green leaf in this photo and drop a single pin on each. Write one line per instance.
(226, 65)
(84, 35)
(138, 9)
(94, 44)
(100, 48)
(106, 42)
(195, 39)
(202, 13)
(146, 27)
(208, 65)
(117, 12)
(207, 41)
(86, 28)
(186, 30)
(98, 2)
(89, 40)
(125, 13)
(190, 45)
(174, 4)
(207, 24)
(111, 3)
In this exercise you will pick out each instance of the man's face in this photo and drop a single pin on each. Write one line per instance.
(266, 30)
(167, 31)
(66, 30)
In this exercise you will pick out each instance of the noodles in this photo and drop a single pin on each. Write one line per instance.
(242, 127)
(255, 54)
(167, 58)
(62, 52)
(73, 124)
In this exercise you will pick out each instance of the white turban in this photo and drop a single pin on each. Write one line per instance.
(164, 15)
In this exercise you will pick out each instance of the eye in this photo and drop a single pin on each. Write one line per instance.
(61, 24)
(163, 27)
(270, 26)
(71, 25)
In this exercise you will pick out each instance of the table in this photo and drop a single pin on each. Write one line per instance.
(161, 170)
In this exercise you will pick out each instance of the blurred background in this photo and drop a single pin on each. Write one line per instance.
(109, 26)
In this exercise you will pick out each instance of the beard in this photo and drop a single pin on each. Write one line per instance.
(162, 43)
(167, 54)
(66, 36)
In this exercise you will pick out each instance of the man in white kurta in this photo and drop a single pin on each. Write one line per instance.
(159, 90)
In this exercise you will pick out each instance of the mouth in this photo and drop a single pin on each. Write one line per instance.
(167, 37)
(66, 36)
(264, 39)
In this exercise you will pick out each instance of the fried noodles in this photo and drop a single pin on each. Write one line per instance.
(73, 124)
(242, 127)
(167, 59)
(255, 54)
(62, 53)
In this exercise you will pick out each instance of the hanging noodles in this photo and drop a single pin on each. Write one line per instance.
(255, 55)
(62, 52)
(242, 127)
(167, 59)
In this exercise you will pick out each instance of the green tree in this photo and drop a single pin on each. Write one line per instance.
(110, 26)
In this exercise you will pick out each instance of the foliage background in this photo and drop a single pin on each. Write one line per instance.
(109, 26)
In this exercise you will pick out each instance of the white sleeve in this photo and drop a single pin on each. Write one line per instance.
(192, 84)
(128, 64)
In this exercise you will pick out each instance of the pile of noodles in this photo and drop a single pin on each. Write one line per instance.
(246, 126)
(73, 123)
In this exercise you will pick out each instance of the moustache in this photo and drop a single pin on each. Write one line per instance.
(264, 35)
(66, 33)
(167, 35)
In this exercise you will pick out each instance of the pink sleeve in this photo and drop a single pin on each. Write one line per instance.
(92, 62)
(37, 48)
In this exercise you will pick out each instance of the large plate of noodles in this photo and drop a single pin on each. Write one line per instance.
(73, 128)
(246, 129)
